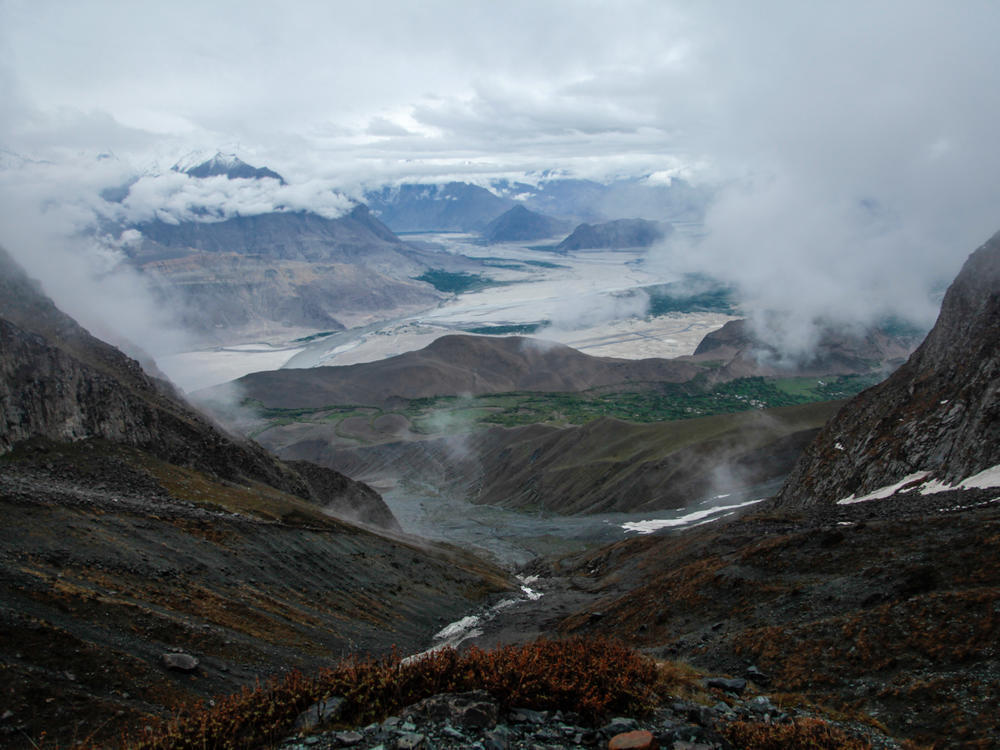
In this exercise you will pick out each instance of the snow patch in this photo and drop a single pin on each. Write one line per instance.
(648, 527)
(986, 479)
(884, 492)
(983, 480)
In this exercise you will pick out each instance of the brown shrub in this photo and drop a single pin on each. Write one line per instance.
(804, 734)
(589, 676)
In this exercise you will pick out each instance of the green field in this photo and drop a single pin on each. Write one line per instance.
(659, 402)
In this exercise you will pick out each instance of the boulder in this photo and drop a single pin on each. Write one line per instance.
(179, 662)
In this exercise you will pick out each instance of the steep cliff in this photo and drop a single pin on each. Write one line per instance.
(60, 383)
(938, 415)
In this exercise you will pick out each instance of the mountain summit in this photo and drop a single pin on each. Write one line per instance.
(936, 418)
(229, 166)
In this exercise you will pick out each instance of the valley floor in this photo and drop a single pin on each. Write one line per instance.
(585, 299)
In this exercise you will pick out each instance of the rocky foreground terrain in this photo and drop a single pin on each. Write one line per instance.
(148, 559)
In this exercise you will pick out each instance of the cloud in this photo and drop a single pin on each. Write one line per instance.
(174, 197)
(855, 141)
(859, 159)
(587, 310)
(47, 222)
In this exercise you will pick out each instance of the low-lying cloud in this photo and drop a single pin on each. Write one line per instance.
(175, 197)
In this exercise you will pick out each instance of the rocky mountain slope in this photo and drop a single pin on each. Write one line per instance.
(357, 237)
(937, 416)
(148, 558)
(604, 466)
(221, 295)
(615, 235)
(884, 607)
(60, 383)
(735, 351)
(228, 276)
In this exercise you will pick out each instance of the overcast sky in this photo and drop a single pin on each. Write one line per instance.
(857, 139)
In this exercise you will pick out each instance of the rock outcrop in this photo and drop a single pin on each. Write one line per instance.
(615, 235)
(937, 415)
(520, 224)
(60, 383)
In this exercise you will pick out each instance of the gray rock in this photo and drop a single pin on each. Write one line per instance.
(619, 725)
(348, 739)
(473, 709)
(757, 676)
(498, 739)
(410, 741)
(319, 714)
(179, 662)
(734, 685)
(761, 705)
(527, 716)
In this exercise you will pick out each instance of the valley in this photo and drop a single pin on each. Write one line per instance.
(499, 376)
(594, 301)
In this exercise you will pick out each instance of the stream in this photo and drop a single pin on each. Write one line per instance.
(513, 539)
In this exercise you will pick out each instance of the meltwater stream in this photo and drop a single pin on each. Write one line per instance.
(512, 539)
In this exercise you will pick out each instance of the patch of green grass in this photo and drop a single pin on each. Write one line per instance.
(694, 293)
(506, 330)
(826, 388)
(454, 282)
(313, 337)
(645, 403)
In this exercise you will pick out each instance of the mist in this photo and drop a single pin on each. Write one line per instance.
(856, 154)
(48, 223)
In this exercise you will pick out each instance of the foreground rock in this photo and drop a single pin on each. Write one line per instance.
(445, 722)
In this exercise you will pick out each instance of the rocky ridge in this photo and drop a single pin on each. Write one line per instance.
(59, 382)
(149, 558)
(456, 364)
(937, 416)
(520, 224)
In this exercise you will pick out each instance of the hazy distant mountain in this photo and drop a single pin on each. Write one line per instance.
(357, 237)
(520, 224)
(227, 165)
(463, 207)
(454, 207)
(615, 235)
(591, 201)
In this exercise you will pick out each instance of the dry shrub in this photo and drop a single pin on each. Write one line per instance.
(589, 676)
(805, 734)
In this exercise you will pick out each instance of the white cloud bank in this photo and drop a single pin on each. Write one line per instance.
(174, 197)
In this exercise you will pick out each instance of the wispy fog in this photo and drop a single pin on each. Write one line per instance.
(48, 224)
